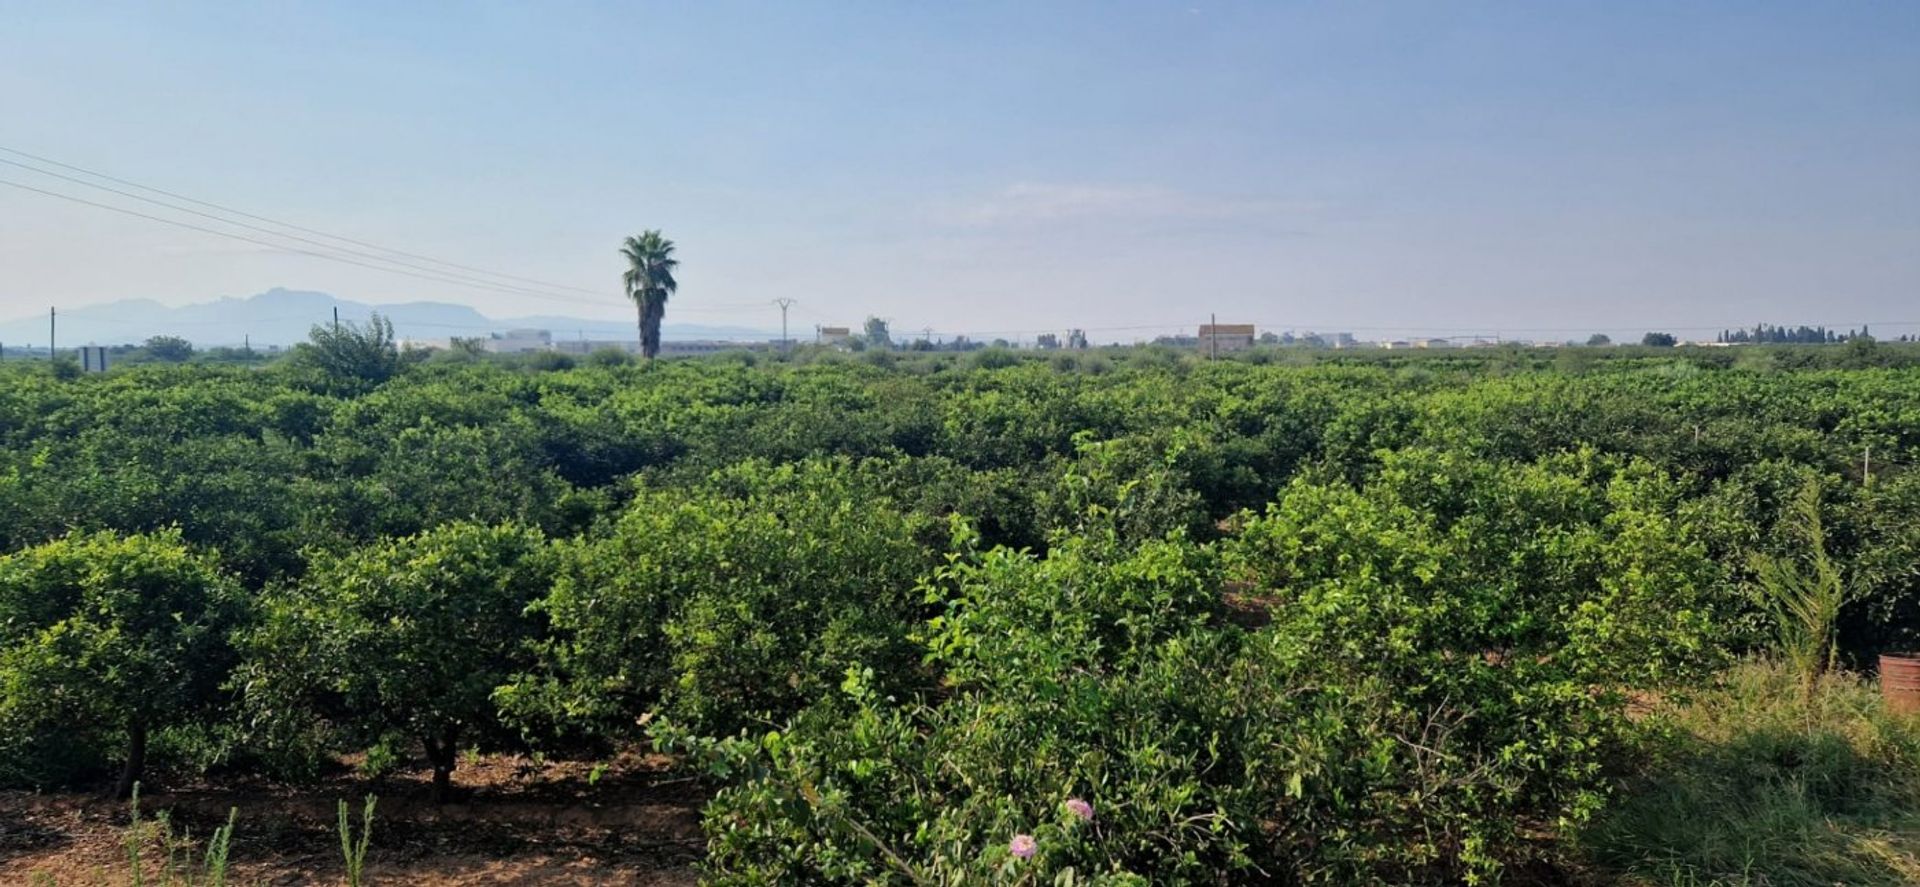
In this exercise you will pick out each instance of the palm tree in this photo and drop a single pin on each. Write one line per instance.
(649, 281)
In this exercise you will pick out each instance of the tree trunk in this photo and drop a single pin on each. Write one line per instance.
(442, 752)
(650, 327)
(640, 313)
(136, 758)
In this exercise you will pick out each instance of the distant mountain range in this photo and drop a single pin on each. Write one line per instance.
(283, 317)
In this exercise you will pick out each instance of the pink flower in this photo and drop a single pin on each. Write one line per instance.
(1080, 808)
(1022, 846)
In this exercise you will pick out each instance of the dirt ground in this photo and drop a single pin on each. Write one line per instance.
(510, 821)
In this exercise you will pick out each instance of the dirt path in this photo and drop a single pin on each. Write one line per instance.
(512, 822)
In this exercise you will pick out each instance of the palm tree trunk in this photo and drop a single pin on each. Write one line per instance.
(650, 327)
(640, 313)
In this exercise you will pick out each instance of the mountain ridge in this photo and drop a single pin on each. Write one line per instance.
(282, 316)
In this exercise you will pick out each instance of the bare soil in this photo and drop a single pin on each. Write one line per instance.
(510, 821)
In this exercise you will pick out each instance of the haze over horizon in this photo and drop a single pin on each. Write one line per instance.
(995, 168)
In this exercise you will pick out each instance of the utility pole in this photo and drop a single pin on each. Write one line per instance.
(1213, 338)
(784, 303)
(336, 318)
(51, 350)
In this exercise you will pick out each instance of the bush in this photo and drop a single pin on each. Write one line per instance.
(1399, 686)
(608, 358)
(407, 638)
(732, 605)
(1068, 678)
(348, 358)
(105, 640)
(549, 361)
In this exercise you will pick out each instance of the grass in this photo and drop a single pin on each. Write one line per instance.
(1761, 781)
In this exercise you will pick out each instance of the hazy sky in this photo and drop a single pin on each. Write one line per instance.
(979, 167)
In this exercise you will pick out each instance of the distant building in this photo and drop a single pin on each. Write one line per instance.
(833, 335)
(93, 358)
(519, 341)
(589, 346)
(1225, 337)
(709, 346)
(1077, 340)
(1437, 343)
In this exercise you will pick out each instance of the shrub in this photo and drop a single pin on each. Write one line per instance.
(1068, 678)
(1408, 682)
(731, 605)
(104, 640)
(406, 637)
(348, 358)
(1496, 620)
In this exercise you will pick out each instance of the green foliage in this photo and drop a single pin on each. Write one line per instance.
(408, 637)
(649, 282)
(1804, 595)
(1086, 674)
(738, 603)
(169, 349)
(1500, 618)
(348, 357)
(177, 868)
(104, 639)
(1407, 681)
(1296, 615)
(353, 851)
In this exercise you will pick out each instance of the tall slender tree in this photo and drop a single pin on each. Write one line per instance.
(649, 282)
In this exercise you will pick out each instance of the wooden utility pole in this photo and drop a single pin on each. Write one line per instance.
(1213, 336)
(51, 338)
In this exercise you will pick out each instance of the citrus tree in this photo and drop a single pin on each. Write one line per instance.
(106, 639)
(403, 638)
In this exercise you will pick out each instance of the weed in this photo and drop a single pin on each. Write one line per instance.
(1805, 594)
(1767, 779)
(354, 851)
(177, 845)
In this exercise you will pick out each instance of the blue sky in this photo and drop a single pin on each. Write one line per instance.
(1530, 169)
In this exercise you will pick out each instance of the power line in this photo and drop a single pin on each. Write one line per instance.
(227, 209)
(440, 275)
(254, 240)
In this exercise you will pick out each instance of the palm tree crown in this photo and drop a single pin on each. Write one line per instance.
(649, 281)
